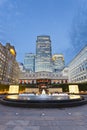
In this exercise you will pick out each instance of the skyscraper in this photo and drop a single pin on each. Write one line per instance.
(58, 62)
(43, 54)
(29, 62)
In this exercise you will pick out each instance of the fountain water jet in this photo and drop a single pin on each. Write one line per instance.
(43, 92)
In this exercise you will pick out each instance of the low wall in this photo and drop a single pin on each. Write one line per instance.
(36, 90)
(30, 90)
(53, 90)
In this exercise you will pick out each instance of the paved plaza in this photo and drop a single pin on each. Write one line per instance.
(14, 118)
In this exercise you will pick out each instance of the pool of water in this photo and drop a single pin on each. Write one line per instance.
(43, 97)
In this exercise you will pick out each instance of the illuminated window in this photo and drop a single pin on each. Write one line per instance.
(12, 51)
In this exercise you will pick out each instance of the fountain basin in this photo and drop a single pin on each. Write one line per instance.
(43, 101)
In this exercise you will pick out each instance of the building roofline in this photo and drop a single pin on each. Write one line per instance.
(77, 54)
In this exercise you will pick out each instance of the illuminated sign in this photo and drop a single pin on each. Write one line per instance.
(73, 89)
(13, 89)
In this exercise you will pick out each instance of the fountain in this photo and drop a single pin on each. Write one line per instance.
(43, 92)
(43, 100)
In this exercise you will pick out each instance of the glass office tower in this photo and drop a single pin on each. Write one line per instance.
(29, 62)
(43, 54)
(58, 62)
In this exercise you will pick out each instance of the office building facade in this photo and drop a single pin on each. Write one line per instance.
(48, 69)
(43, 54)
(21, 67)
(58, 62)
(78, 67)
(29, 62)
(43, 59)
(9, 68)
(42, 78)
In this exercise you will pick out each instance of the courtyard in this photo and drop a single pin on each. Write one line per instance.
(14, 118)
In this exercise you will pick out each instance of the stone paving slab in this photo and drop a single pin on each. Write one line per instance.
(72, 128)
(14, 118)
(23, 128)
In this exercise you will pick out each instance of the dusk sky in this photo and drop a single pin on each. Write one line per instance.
(21, 21)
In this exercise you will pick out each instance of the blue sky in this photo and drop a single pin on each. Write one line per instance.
(21, 21)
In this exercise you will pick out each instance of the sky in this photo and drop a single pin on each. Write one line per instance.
(21, 21)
